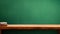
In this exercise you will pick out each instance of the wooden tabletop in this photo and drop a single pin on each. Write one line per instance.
(30, 26)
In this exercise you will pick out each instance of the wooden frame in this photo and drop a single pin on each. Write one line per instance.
(30, 26)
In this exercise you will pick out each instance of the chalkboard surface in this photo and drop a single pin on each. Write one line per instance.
(30, 11)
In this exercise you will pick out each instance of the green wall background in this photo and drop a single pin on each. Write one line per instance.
(30, 12)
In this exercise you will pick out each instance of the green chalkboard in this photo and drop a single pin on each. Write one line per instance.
(30, 12)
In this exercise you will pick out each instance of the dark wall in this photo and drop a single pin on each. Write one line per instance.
(30, 32)
(30, 12)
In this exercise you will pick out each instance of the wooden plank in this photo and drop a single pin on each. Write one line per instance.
(31, 26)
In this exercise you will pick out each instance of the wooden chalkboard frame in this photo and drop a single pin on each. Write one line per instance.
(29, 26)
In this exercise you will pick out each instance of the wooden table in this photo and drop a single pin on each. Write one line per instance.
(30, 26)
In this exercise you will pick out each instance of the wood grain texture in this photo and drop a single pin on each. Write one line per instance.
(31, 26)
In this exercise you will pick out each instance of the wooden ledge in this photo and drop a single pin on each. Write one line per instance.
(30, 26)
